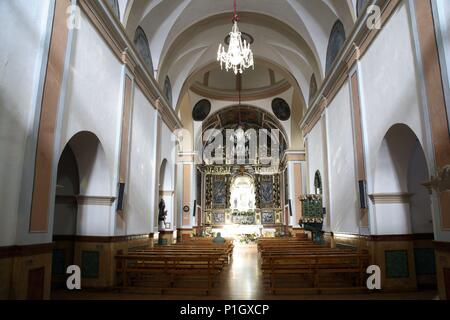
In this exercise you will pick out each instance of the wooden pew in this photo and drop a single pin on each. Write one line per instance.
(171, 265)
(137, 270)
(285, 261)
(314, 266)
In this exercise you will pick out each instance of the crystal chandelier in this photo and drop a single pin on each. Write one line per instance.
(239, 55)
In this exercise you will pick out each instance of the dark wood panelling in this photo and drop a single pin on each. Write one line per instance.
(36, 279)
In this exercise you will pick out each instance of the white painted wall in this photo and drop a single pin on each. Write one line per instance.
(390, 95)
(317, 161)
(167, 145)
(420, 204)
(139, 199)
(94, 104)
(315, 154)
(389, 85)
(264, 104)
(23, 31)
(344, 211)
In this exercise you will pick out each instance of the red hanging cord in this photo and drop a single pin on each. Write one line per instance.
(235, 15)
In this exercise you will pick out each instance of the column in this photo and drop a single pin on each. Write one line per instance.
(186, 177)
(296, 173)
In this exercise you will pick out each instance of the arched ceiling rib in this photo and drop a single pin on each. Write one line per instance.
(294, 33)
(273, 42)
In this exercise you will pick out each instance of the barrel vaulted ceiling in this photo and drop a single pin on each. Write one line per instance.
(290, 35)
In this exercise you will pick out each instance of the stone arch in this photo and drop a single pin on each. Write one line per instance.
(402, 204)
(82, 204)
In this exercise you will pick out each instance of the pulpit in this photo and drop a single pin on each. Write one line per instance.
(312, 216)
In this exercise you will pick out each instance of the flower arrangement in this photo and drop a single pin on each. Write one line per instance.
(249, 238)
(248, 213)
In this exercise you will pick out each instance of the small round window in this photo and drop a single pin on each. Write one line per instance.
(281, 109)
(201, 110)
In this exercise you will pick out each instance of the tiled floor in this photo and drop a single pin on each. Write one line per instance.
(242, 281)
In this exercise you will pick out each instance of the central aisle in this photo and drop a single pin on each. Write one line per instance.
(243, 279)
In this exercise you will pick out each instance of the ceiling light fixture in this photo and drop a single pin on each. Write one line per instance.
(239, 56)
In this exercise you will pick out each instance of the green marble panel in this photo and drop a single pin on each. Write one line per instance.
(425, 261)
(58, 262)
(397, 264)
(90, 261)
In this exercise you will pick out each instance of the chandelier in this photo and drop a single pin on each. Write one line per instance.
(239, 56)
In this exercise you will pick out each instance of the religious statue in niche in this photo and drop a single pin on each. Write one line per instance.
(162, 215)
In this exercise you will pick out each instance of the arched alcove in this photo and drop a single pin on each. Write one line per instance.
(243, 193)
(402, 203)
(166, 192)
(65, 216)
(335, 43)
(67, 189)
(82, 199)
(92, 164)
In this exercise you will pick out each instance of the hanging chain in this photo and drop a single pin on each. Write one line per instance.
(235, 15)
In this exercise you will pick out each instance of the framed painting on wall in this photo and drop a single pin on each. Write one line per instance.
(266, 191)
(219, 191)
(218, 218)
(268, 217)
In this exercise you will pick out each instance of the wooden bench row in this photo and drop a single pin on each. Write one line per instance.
(292, 266)
(175, 268)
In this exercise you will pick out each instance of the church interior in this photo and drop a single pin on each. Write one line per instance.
(224, 149)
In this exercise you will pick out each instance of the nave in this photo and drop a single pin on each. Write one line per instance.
(133, 132)
(243, 279)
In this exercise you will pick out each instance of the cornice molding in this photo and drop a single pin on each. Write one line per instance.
(246, 95)
(293, 155)
(354, 49)
(384, 237)
(84, 200)
(102, 239)
(116, 38)
(386, 198)
(26, 250)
